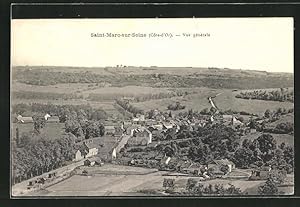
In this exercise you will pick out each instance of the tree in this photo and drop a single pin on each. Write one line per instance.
(246, 143)
(190, 185)
(39, 123)
(200, 153)
(170, 150)
(23, 140)
(232, 190)
(73, 126)
(267, 145)
(169, 184)
(267, 113)
(205, 111)
(269, 188)
(288, 154)
(94, 129)
(284, 128)
(243, 157)
(224, 169)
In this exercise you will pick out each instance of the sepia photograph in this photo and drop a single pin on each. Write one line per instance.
(152, 107)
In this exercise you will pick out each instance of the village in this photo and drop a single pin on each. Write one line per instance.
(153, 141)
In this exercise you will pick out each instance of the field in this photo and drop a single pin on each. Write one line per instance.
(125, 183)
(138, 81)
(224, 101)
(51, 130)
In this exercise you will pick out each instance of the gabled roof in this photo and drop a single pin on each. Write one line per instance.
(109, 127)
(53, 118)
(94, 159)
(223, 162)
(25, 119)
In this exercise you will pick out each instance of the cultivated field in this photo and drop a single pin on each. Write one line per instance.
(224, 101)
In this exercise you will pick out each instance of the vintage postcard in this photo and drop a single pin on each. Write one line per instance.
(152, 107)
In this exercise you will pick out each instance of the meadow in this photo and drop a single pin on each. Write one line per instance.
(51, 130)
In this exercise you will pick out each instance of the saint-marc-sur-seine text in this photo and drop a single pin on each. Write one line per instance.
(148, 35)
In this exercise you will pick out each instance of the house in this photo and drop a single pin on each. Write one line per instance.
(140, 136)
(91, 148)
(227, 119)
(47, 116)
(126, 124)
(88, 148)
(24, 119)
(236, 122)
(150, 122)
(109, 130)
(93, 161)
(167, 126)
(78, 156)
(223, 162)
(129, 130)
(53, 119)
(192, 169)
(157, 126)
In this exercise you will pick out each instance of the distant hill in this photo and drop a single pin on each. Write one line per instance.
(153, 76)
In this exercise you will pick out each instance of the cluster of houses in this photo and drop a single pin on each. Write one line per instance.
(140, 131)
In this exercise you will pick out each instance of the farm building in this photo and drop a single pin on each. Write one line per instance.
(193, 169)
(232, 120)
(88, 148)
(140, 136)
(53, 119)
(91, 148)
(157, 126)
(150, 122)
(167, 126)
(23, 120)
(130, 130)
(138, 119)
(217, 164)
(109, 130)
(93, 161)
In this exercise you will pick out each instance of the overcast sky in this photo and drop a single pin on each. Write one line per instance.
(238, 43)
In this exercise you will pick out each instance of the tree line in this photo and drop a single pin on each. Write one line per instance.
(44, 155)
(62, 111)
(133, 97)
(125, 104)
(45, 77)
(273, 95)
(32, 157)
